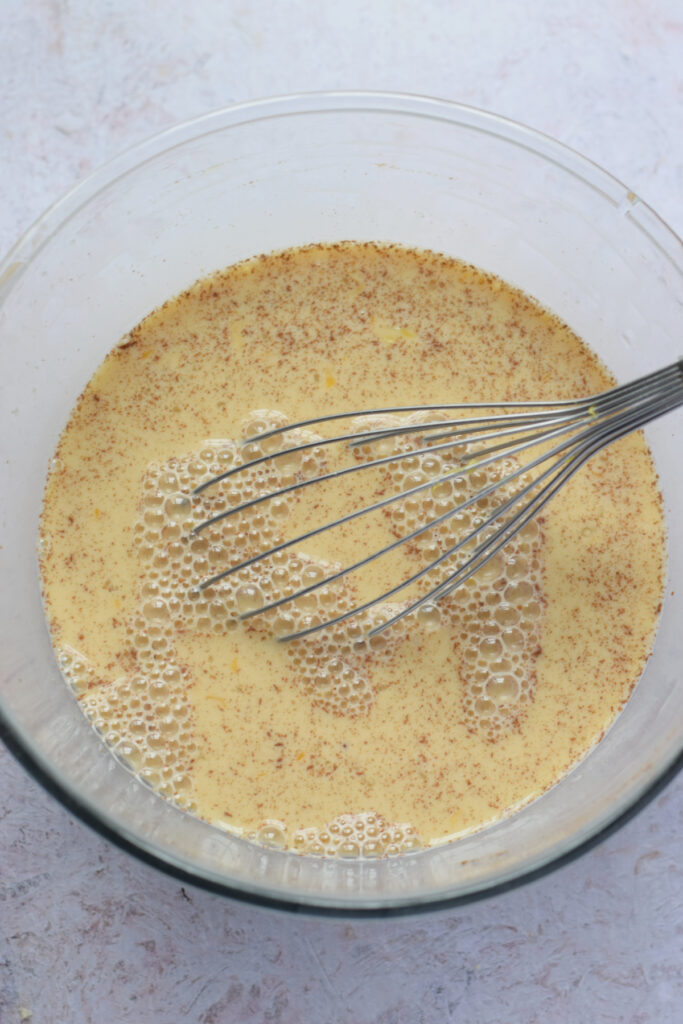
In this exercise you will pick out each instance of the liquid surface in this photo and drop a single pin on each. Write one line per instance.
(451, 718)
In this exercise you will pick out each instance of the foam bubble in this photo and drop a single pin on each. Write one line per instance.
(366, 835)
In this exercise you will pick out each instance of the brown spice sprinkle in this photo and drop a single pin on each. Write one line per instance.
(331, 746)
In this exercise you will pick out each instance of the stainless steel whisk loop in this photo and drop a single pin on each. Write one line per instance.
(574, 429)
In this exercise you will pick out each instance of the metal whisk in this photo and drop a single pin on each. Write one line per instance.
(570, 432)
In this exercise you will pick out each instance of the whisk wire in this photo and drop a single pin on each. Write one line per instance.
(572, 462)
(481, 555)
(383, 503)
(411, 579)
(592, 424)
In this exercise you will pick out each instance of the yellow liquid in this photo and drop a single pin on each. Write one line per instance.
(447, 721)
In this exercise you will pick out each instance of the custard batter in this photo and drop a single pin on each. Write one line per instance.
(447, 721)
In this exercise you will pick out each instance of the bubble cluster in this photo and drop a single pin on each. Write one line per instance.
(335, 663)
(330, 666)
(499, 614)
(498, 610)
(357, 835)
(147, 722)
(146, 716)
(334, 685)
(365, 835)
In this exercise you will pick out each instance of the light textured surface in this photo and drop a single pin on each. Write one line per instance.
(86, 933)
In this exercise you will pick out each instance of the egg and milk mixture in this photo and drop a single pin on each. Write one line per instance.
(335, 743)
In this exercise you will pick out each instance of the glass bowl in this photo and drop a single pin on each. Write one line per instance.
(278, 173)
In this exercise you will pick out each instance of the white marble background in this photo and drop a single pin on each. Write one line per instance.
(88, 934)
